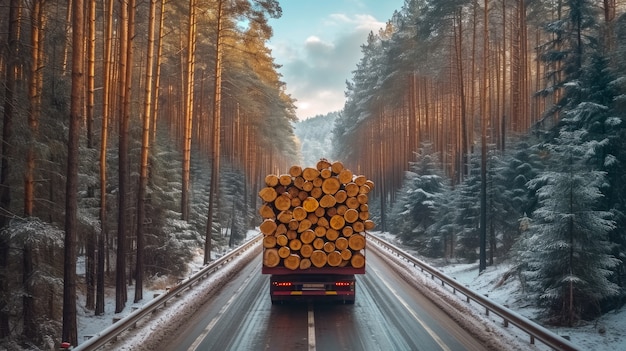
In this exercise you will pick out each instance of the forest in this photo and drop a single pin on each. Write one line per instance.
(494, 131)
(135, 134)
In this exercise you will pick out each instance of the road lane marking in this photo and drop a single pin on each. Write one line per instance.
(408, 308)
(311, 328)
(214, 321)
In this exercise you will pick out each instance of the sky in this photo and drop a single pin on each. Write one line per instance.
(318, 43)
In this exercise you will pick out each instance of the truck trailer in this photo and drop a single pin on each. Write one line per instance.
(314, 232)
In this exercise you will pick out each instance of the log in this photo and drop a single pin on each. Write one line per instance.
(305, 263)
(284, 252)
(280, 229)
(352, 202)
(307, 236)
(309, 173)
(285, 216)
(346, 254)
(369, 224)
(296, 244)
(326, 173)
(351, 215)
(310, 204)
(266, 212)
(282, 202)
(337, 222)
(341, 244)
(360, 180)
(322, 164)
(334, 258)
(298, 182)
(319, 258)
(329, 247)
(269, 242)
(268, 227)
(357, 260)
(327, 201)
(337, 167)
(345, 176)
(271, 258)
(299, 213)
(356, 242)
(341, 196)
(304, 225)
(320, 232)
(318, 243)
(271, 180)
(331, 185)
(284, 179)
(347, 231)
(332, 234)
(292, 262)
(295, 171)
(306, 250)
(358, 226)
(282, 240)
(351, 189)
(268, 194)
(293, 224)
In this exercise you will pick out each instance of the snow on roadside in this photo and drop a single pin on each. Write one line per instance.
(608, 333)
(165, 322)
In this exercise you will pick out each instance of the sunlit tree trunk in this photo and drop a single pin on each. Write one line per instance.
(124, 110)
(483, 140)
(215, 152)
(145, 149)
(90, 271)
(104, 136)
(70, 332)
(188, 108)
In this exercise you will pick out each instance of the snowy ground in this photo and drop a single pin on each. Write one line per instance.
(606, 334)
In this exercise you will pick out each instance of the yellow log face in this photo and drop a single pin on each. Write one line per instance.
(268, 227)
(306, 250)
(282, 202)
(345, 176)
(334, 259)
(280, 229)
(356, 242)
(318, 243)
(326, 173)
(292, 262)
(341, 196)
(284, 252)
(307, 236)
(305, 263)
(284, 179)
(310, 173)
(271, 258)
(341, 244)
(282, 240)
(310, 204)
(285, 216)
(337, 167)
(331, 186)
(351, 215)
(337, 222)
(299, 213)
(295, 244)
(271, 180)
(268, 194)
(332, 234)
(351, 189)
(322, 164)
(357, 260)
(360, 180)
(358, 226)
(269, 242)
(319, 258)
(304, 225)
(266, 212)
(295, 171)
(327, 201)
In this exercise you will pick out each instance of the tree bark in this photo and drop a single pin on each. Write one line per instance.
(70, 332)
(215, 152)
(189, 108)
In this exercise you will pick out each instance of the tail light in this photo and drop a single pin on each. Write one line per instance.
(283, 284)
(338, 284)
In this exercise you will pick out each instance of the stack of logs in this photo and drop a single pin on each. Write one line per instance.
(315, 217)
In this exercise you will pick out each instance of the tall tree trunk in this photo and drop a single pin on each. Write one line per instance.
(90, 272)
(34, 97)
(123, 125)
(30, 330)
(145, 149)
(483, 140)
(104, 135)
(70, 333)
(215, 153)
(191, 51)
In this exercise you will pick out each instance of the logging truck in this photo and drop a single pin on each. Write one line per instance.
(314, 232)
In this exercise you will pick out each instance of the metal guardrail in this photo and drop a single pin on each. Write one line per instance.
(112, 332)
(534, 330)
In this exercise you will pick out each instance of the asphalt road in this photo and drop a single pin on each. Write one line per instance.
(388, 315)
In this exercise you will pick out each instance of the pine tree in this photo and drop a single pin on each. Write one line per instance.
(568, 254)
